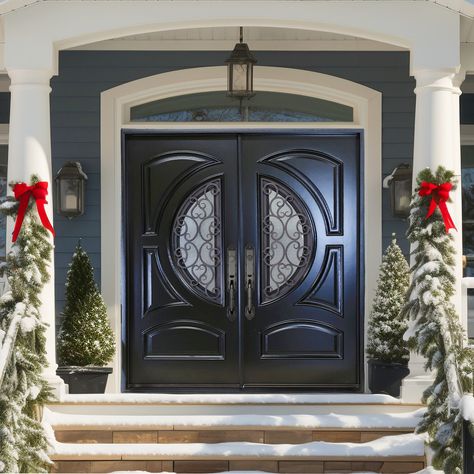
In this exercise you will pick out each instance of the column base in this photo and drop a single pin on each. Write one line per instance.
(58, 387)
(413, 387)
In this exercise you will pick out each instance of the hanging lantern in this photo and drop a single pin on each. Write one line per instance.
(70, 187)
(240, 70)
(400, 185)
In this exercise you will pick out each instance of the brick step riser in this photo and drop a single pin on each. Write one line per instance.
(222, 436)
(385, 466)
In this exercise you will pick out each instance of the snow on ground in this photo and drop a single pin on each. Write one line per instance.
(237, 398)
(331, 420)
(227, 472)
(467, 408)
(429, 470)
(400, 445)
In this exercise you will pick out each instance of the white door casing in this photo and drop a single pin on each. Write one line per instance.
(115, 112)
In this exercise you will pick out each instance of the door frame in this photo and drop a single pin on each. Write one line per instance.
(115, 107)
(360, 248)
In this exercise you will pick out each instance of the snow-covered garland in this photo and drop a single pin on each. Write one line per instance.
(435, 330)
(23, 441)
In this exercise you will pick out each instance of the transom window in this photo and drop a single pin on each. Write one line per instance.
(263, 107)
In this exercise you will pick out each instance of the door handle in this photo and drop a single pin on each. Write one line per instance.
(231, 286)
(249, 281)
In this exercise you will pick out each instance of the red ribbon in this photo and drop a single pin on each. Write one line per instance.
(439, 196)
(23, 192)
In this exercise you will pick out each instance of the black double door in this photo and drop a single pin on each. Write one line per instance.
(242, 255)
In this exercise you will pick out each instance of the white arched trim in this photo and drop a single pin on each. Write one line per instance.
(115, 111)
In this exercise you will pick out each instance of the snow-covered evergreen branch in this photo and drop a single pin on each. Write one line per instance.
(23, 442)
(435, 330)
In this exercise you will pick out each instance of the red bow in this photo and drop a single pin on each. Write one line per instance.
(23, 192)
(439, 197)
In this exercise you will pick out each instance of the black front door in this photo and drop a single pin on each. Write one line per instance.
(242, 256)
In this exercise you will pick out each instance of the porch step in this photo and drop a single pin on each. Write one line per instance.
(282, 433)
(297, 428)
(230, 404)
(391, 454)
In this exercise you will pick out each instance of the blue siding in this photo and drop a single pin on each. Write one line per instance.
(83, 75)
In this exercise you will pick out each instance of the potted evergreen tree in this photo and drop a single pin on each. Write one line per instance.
(386, 349)
(86, 341)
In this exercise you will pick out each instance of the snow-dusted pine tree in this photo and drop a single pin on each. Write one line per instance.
(23, 442)
(386, 326)
(435, 330)
(85, 337)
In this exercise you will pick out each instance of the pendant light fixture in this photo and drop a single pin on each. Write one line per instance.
(240, 70)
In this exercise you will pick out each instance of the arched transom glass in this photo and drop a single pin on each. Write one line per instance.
(263, 107)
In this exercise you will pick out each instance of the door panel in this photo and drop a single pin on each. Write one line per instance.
(242, 256)
(305, 332)
(178, 331)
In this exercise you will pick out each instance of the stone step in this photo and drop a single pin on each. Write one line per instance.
(386, 465)
(244, 421)
(229, 404)
(390, 454)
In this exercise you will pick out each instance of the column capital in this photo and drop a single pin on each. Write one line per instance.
(439, 79)
(39, 77)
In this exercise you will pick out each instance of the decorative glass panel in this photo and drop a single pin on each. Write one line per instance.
(263, 107)
(288, 239)
(197, 241)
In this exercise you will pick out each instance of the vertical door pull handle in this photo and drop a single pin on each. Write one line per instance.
(249, 281)
(231, 278)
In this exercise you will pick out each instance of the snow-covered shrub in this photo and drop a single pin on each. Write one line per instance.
(386, 325)
(85, 337)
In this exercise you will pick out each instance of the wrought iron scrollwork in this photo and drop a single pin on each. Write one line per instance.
(288, 239)
(197, 241)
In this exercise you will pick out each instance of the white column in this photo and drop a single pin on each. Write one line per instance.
(29, 153)
(436, 143)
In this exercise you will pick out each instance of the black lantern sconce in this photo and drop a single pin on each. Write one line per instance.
(70, 187)
(400, 184)
(240, 70)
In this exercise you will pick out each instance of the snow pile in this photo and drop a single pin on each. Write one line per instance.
(429, 470)
(407, 420)
(467, 408)
(401, 445)
(231, 398)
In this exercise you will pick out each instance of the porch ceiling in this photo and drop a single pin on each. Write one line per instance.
(224, 38)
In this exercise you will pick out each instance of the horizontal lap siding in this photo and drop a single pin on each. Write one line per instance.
(83, 75)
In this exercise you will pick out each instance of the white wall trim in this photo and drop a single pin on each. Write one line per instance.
(115, 105)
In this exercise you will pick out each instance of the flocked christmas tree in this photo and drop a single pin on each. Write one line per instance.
(435, 330)
(386, 326)
(85, 337)
(23, 442)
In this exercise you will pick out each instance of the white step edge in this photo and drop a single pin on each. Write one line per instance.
(62, 421)
(407, 445)
(232, 399)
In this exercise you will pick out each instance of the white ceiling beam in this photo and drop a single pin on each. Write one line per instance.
(256, 45)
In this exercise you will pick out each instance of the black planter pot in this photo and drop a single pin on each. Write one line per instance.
(386, 377)
(85, 379)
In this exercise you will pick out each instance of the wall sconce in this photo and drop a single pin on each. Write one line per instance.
(400, 184)
(70, 187)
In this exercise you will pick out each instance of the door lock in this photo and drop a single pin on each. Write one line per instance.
(249, 281)
(231, 282)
